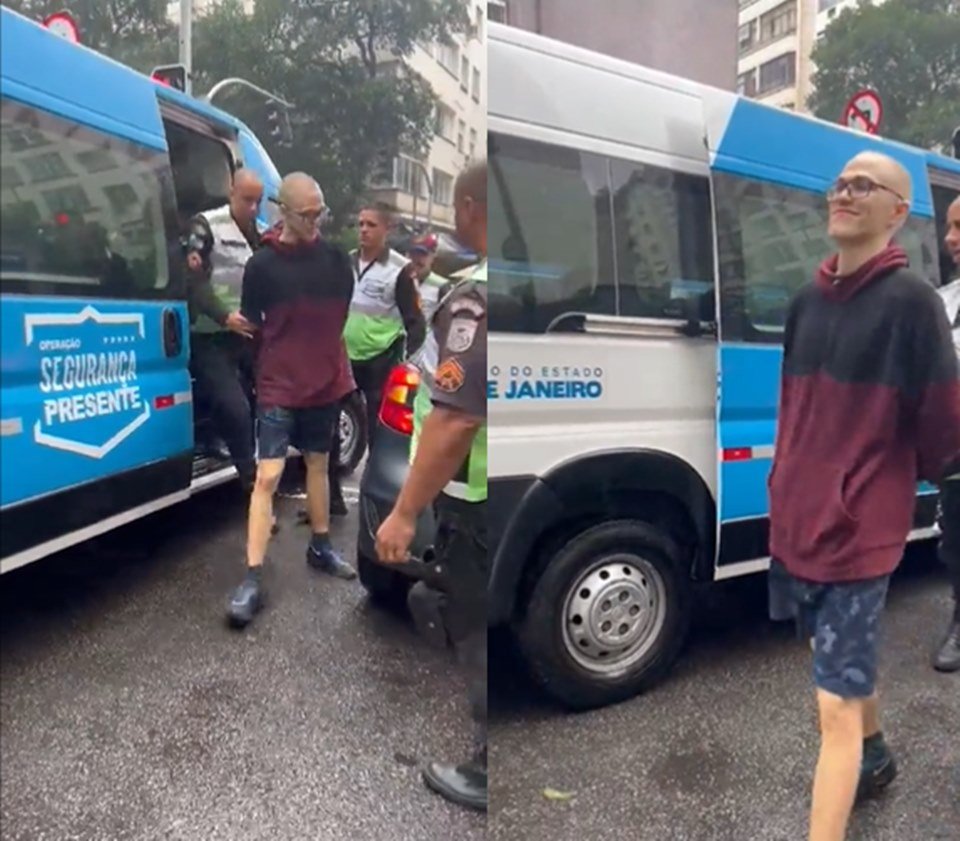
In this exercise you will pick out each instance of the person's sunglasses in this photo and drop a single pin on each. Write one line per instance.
(858, 187)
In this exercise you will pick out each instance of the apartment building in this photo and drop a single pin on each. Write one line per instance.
(775, 40)
(422, 190)
(684, 37)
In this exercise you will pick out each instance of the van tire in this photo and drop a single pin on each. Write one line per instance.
(352, 429)
(657, 586)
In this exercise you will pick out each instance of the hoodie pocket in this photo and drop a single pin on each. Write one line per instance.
(809, 512)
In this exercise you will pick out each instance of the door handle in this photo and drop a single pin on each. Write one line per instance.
(172, 333)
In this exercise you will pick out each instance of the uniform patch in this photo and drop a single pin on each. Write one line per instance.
(461, 333)
(449, 376)
(464, 304)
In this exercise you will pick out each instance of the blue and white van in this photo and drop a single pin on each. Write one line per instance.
(101, 166)
(646, 234)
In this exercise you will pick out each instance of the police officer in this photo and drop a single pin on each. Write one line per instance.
(219, 245)
(947, 657)
(450, 467)
(386, 322)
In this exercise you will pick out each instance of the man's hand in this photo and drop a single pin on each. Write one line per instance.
(238, 324)
(194, 261)
(394, 538)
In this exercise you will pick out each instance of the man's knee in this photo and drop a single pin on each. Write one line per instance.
(269, 472)
(840, 718)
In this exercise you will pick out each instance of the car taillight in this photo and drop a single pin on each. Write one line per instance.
(396, 407)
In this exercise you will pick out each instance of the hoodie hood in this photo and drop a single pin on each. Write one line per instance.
(271, 239)
(843, 287)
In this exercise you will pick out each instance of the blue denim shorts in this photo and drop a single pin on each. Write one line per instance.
(842, 620)
(310, 430)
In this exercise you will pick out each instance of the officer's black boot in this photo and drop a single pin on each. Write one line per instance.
(947, 657)
(247, 599)
(464, 784)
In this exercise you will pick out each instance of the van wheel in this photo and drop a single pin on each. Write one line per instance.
(608, 615)
(386, 588)
(352, 429)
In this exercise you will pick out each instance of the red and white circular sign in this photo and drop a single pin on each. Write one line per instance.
(864, 112)
(63, 24)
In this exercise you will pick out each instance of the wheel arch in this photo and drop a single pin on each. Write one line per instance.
(593, 488)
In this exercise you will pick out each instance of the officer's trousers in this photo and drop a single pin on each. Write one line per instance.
(461, 547)
(950, 543)
(371, 376)
(217, 362)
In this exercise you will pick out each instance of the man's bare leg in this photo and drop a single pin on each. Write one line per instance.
(871, 716)
(318, 492)
(321, 554)
(838, 767)
(260, 522)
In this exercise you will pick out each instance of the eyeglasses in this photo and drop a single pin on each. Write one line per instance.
(858, 187)
(308, 217)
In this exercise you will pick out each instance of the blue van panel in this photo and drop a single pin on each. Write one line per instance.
(749, 392)
(770, 144)
(87, 392)
(41, 68)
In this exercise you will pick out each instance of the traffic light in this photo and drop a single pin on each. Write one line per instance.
(171, 75)
(278, 123)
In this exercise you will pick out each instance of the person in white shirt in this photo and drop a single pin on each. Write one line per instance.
(947, 656)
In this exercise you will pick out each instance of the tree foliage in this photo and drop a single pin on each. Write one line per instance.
(135, 32)
(906, 50)
(341, 62)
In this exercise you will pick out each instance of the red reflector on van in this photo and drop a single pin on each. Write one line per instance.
(164, 402)
(738, 454)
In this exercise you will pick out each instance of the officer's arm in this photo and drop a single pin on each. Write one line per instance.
(408, 302)
(460, 405)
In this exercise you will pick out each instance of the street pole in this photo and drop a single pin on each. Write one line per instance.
(186, 41)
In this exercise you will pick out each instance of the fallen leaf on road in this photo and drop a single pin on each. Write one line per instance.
(553, 794)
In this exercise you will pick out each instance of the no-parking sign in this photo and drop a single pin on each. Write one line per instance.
(864, 112)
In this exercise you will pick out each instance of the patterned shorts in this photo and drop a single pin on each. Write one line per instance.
(842, 621)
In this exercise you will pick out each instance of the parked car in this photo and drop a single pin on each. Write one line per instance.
(383, 476)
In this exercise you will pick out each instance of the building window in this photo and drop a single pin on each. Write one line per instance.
(473, 144)
(448, 55)
(779, 23)
(72, 239)
(408, 177)
(747, 83)
(779, 73)
(442, 187)
(476, 85)
(497, 11)
(446, 122)
(481, 16)
(747, 35)
(464, 74)
(632, 240)
(461, 135)
(827, 4)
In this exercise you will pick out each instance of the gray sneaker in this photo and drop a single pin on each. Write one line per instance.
(328, 561)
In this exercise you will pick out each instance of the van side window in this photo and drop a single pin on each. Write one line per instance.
(772, 239)
(81, 212)
(550, 240)
(664, 240)
(577, 233)
(202, 168)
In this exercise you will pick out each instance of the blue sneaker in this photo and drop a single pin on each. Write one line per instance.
(327, 560)
(245, 602)
(877, 770)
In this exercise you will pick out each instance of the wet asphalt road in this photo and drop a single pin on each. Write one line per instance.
(128, 710)
(725, 748)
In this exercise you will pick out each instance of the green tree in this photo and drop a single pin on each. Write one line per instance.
(341, 62)
(906, 50)
(135, 32)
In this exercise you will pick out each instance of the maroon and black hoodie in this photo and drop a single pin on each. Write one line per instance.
(869, 403)
(299, 296)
